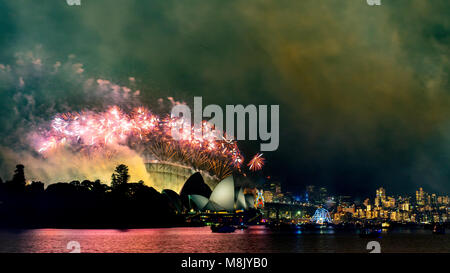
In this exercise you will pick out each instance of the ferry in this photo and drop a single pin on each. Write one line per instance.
(438, 229)
(222, 228)
(370, 233)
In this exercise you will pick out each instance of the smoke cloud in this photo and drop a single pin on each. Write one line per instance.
(39, 90)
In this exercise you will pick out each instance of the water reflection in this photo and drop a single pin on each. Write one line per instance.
(254, 239)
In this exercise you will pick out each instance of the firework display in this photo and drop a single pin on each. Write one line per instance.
(256, 163)
(147, 133)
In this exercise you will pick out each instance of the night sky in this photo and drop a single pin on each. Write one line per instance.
(363, 91)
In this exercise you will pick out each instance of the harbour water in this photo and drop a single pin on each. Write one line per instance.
(255, 239)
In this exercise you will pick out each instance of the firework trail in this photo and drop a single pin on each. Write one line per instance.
(88, 132)
(256, 163)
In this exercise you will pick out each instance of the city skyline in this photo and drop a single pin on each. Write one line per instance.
(420, 208)
(360, 197)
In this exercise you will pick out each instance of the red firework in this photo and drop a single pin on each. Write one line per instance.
(142, 130)
(256, 163)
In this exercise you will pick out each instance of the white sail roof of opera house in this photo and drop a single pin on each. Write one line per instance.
(199, 201)
(223, 194)
(222, 198)
(214, 206)
(240, 202)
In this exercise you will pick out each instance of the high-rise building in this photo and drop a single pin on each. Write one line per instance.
(377, 202)
(395, 216)
(381, 193)
(345, 200)
(311, 193)
(323, 194)
(380, 196)
(268, 196)
(275, 189)
(433, 200)
(443, 200)
(420, 197)
(389, 202)
(404, 206)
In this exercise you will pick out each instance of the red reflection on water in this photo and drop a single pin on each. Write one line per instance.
(255, 239)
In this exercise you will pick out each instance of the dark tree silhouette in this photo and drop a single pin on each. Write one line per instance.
(87, 185)
(114, 181)
(36, 187)
(85, 204)
(120, 177)
(19, 176)
(98, 187)
(76, 183)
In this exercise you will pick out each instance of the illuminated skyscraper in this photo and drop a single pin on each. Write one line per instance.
(380, 196)
(390, 202)
(268, 196)
(420, 197)
(381, 193)
(275, 188)
(323, 194)
(310, 192)
(404, 206)
(433, 199)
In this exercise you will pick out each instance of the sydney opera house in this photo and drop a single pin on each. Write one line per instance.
(196, 195)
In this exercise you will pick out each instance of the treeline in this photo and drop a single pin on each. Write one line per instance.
(86, 204)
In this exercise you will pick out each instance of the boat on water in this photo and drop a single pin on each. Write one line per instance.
(314, 226)
(438, 229)
(285, 227)
(370, 233)
(222, 228)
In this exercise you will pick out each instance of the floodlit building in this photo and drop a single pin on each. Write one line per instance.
(420, 197)
(380, 196)
(268, 196)
(223, 198)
